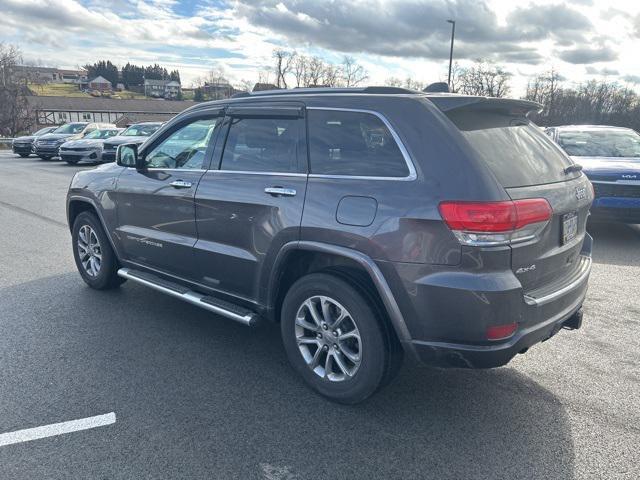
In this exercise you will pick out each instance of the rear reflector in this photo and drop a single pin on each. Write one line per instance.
(495, 223)
(500, 332)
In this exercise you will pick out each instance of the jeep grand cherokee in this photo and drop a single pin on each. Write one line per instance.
(370, 223)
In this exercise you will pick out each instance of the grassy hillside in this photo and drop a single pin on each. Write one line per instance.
(70, 90)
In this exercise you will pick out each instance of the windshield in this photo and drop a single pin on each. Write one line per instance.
(71, 128)
(517, 152)
(600, 143)
(140, 130)
(42, 131)
(102, 134)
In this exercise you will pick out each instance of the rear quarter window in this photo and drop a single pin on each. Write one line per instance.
(354, 144)
(517, 152)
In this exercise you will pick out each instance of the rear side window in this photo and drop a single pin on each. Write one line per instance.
(353, 143)
(517, 152)
(262, 145)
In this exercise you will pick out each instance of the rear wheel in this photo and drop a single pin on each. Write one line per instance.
(95, 259)
(72, 162)
(335, 339)
(44, 157)
(24, 155)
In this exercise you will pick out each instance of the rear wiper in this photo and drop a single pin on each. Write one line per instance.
(573, 168)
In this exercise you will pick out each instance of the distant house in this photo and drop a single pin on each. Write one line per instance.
(101, 84)
(47, 111)
(50, 75)
(162, 88)
(219, 90)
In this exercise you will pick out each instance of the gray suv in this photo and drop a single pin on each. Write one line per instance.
(369, 223)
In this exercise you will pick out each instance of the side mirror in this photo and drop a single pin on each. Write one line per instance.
(127, 155)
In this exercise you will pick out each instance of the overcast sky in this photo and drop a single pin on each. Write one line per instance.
(582, 39)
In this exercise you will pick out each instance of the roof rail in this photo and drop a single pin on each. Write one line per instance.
(320, 90)
(388, 90)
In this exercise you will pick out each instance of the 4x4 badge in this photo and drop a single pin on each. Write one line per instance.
(581, 192)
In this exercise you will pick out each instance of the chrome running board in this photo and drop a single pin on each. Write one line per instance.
(215, 305)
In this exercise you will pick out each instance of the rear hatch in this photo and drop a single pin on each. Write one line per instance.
(530, 166)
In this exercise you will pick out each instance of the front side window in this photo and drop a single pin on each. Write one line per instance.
(353, 143)
(262, 145)
(185, 148)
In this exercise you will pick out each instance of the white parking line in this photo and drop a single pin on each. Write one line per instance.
(55, 429)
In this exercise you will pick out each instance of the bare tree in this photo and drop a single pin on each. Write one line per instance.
(299, 69)
(393, 82)
(486, 79)
(284, 61)
(14, 112)
(313, 73)
(353, 74)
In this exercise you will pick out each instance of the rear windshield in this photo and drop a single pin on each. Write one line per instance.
(518, 152)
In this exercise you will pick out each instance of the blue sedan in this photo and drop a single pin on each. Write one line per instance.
(610, 157)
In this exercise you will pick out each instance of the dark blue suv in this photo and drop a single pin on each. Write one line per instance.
(610, 157)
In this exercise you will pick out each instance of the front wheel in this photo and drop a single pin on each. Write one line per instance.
(95, 259)
(336, 339)
(44, 157)
(24, 155)
(72, 162)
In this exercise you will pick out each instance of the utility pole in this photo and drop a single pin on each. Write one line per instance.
(453, 34)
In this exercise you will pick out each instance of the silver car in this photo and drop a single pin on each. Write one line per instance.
(87, 149)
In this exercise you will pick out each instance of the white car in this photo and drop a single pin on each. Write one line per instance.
(87, 149)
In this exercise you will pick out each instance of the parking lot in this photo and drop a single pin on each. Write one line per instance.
(201, 397)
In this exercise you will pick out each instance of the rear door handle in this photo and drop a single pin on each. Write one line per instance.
(280, 191)
(180, 184)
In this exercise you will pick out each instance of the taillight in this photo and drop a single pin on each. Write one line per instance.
(496, 223)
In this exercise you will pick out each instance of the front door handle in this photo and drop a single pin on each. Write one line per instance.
(280, 191)
(180, 184)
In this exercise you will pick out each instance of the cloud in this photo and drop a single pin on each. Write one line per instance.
(602, 71)
(585, 55)
(411, 29)
(632, 79)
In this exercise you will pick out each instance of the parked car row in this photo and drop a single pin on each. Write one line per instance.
(82, 141)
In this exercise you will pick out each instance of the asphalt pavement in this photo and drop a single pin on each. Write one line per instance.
(198, 396)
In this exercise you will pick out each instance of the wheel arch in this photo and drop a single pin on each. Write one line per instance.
(299, 258)
(76, 205)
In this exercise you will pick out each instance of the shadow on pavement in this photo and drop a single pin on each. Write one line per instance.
(196, 395)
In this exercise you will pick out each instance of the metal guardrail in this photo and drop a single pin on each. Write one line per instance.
(6, 141)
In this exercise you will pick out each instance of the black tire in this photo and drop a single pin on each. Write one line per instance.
(72, 162)
(45, 158)
(379, 360)
(24, 155)
(107, 276)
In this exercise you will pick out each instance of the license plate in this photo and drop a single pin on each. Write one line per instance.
(569, 226)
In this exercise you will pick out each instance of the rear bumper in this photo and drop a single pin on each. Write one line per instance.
(491, 356)
(448, 311)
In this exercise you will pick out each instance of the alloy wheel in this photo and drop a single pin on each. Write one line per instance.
(328, 338)
(89, 250)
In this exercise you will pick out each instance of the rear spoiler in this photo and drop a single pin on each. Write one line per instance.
(507, 106)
